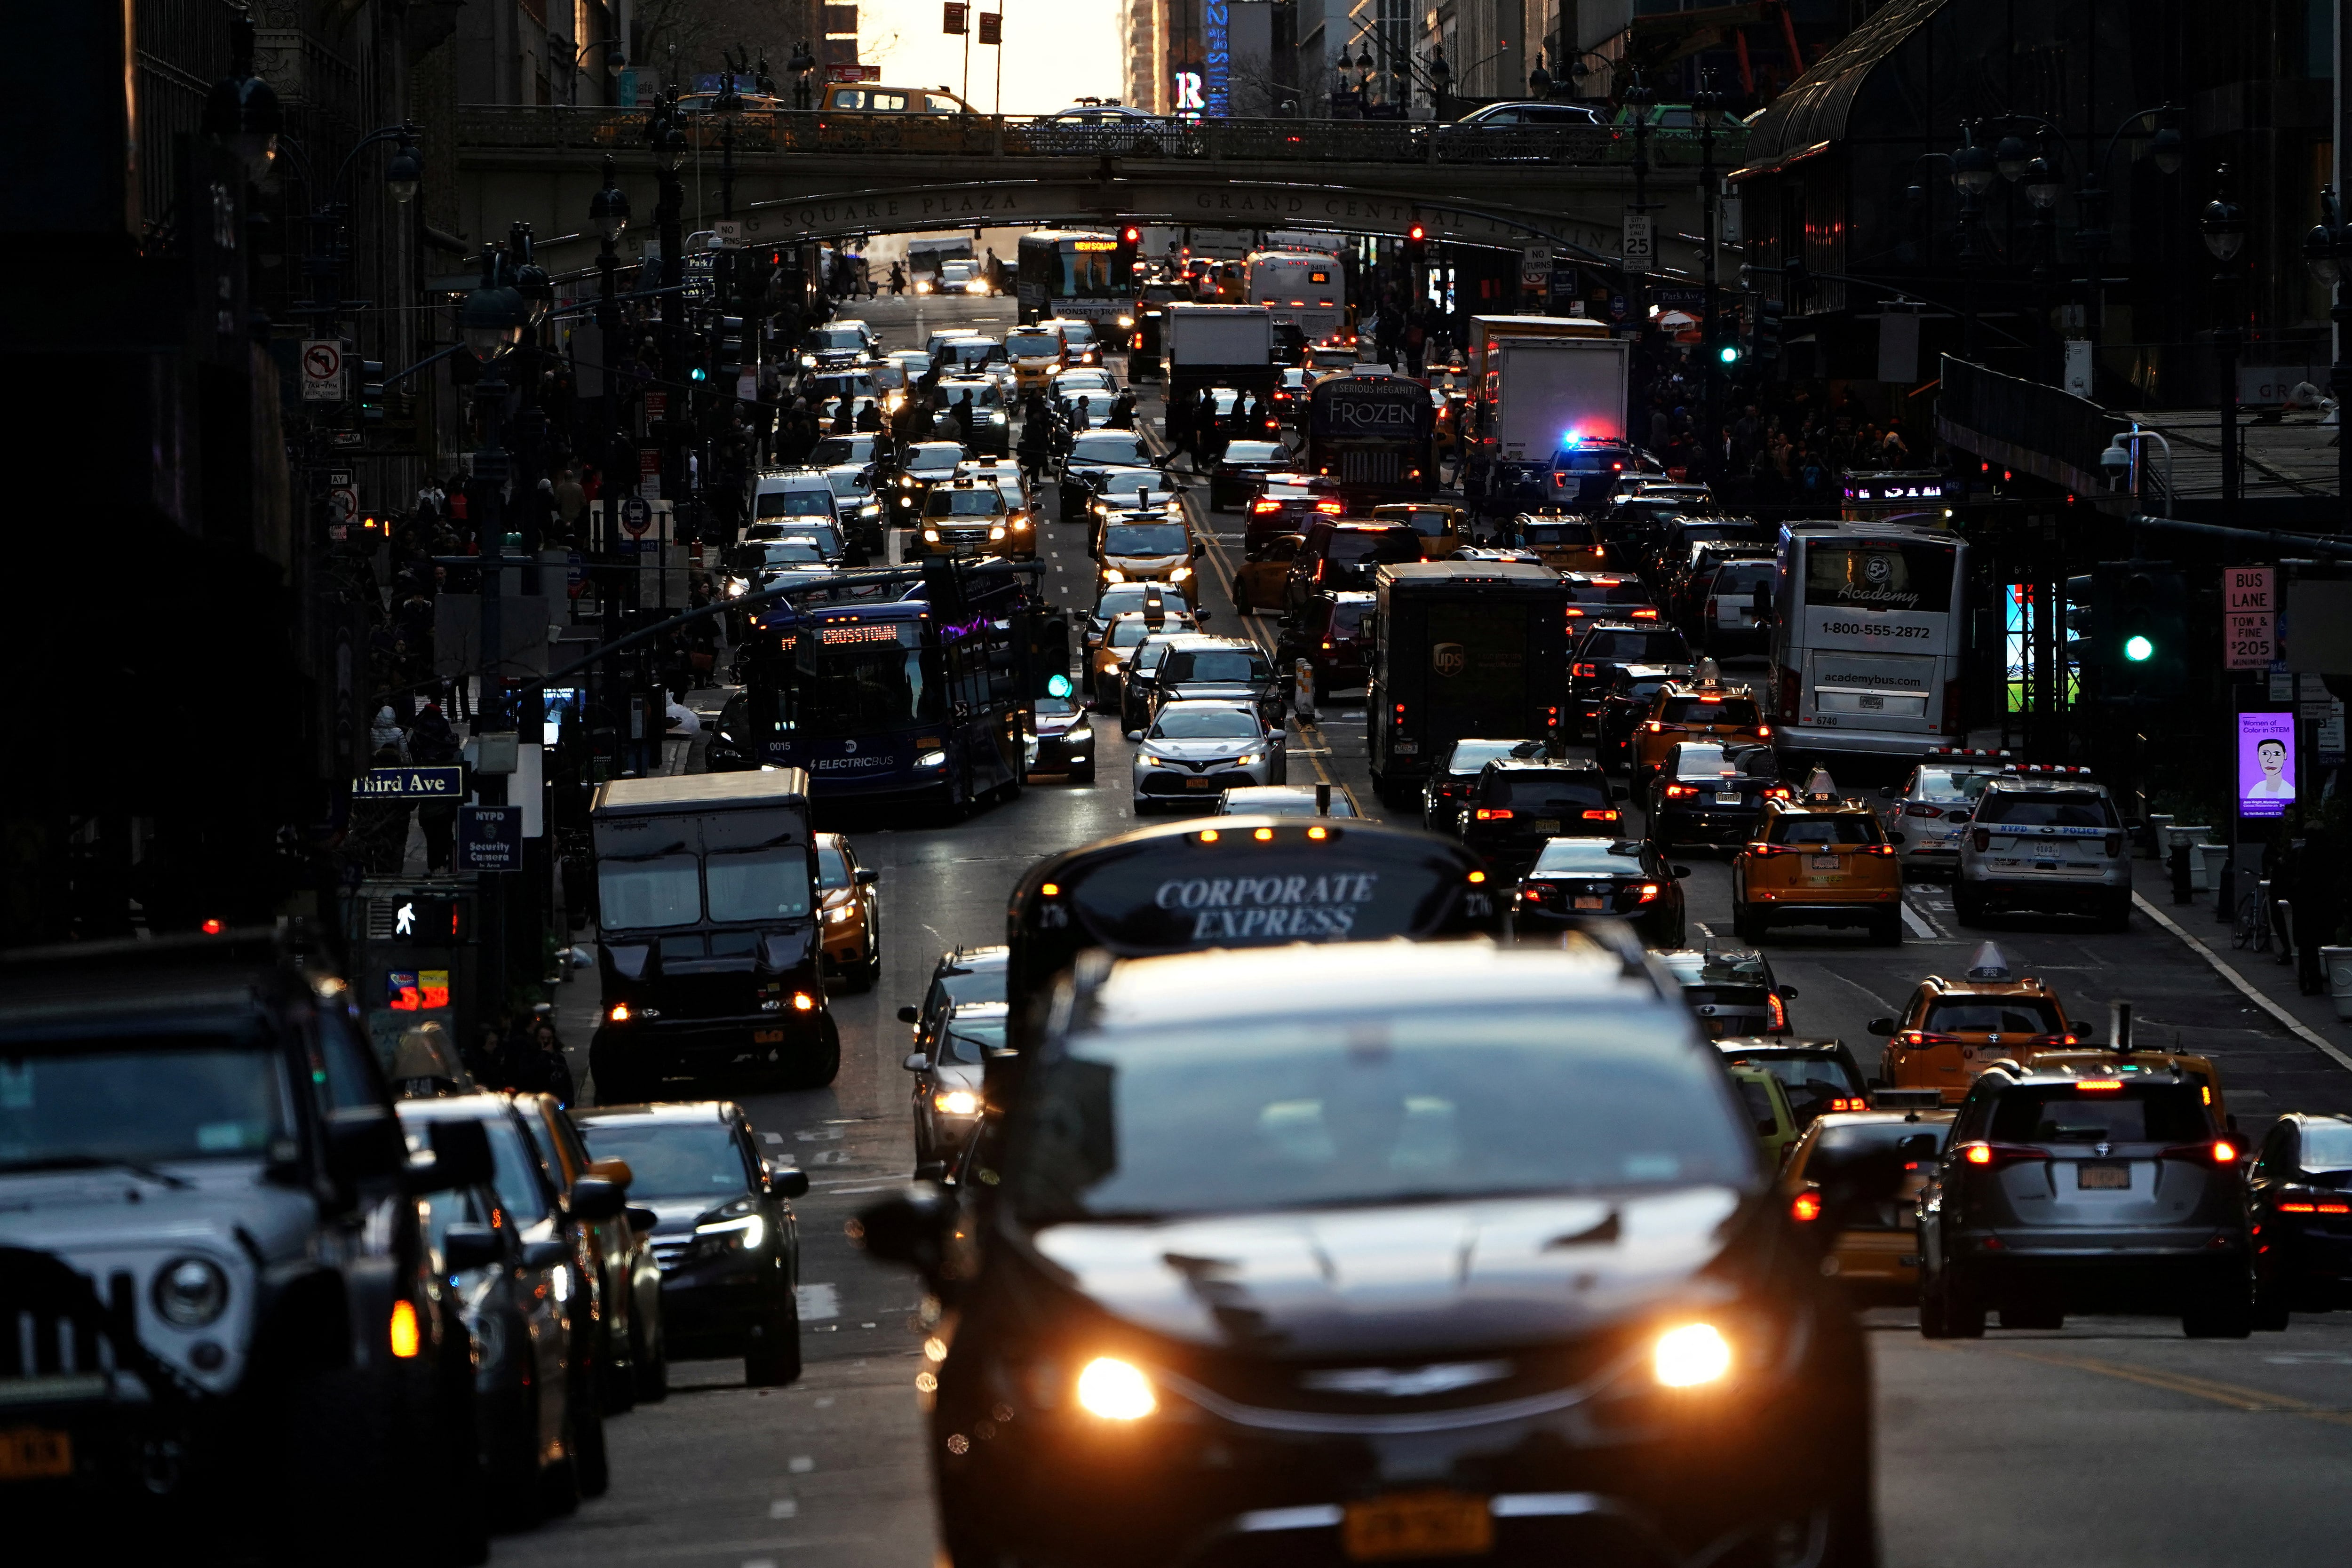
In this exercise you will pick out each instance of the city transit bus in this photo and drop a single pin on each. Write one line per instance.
(1085, 274)
(1303, 290)
(1868, 635)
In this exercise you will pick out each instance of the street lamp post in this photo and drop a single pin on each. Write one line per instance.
(1441, 81)
(1973, 170)
(2224, 228)
(2165, 151)
(2328, 248)
(2041, 190)
(669, 215)
(1639, 98)
(608, 212)
(1704, 104)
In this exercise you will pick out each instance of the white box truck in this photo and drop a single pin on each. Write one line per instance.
(1217, 346)
(1539, 385)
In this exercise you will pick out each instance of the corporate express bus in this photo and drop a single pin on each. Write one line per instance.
(1084, 274)
(1868, 638)
(901, 684)
(1303, 290)
(1375, 434)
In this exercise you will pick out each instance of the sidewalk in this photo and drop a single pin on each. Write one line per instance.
(2259, 977)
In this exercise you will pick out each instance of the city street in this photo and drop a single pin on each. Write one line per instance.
(2114, 1441)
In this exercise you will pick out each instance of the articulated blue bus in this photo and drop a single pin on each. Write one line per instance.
(903, 685)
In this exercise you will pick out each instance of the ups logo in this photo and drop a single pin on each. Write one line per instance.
(1448, 659)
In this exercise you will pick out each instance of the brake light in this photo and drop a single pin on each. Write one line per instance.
(1645, 613)
(1915, 1037)
(1989, 1155)
(1982, 838)
(1649, 891)
(1330, 508)
(1951, 724)
(1759, 848)
(2099, 1085)
(1878, 848)
(1676, 792)
(1778, 792)
(1654, 728)
(1763, 732)
(1917, 809)
(2298, 1208)
(1583, 671)
(1264, 506)
(1483, 815)
(1805, 1207)
(1609, 816)
(1779, 1011)
(1848, 1102)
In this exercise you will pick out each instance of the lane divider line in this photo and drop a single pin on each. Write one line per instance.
(2251, 1400)
(2246, 987)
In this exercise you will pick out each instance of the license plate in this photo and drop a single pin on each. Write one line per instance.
(767, 1036)
(2110, 1177)
(1199, 784)
(1544, 824)
(1435, 1524)
(38, 1454)
(1823, 862)
(1726, 798)
(1873, 702)
(1586, 903)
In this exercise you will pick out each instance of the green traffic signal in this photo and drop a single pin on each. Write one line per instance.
(1729, 353)
(2139, 649)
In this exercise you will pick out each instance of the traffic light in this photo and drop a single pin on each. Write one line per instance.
(1416, 245)
(1123, 259)
(371, 402)
(2138, 632)
(1768, 330)
(1727, 354)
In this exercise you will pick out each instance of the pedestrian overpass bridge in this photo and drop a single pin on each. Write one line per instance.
(802, 177)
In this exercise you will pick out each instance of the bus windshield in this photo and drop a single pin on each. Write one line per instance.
(857, 679)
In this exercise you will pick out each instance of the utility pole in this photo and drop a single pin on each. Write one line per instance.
(1703, 104)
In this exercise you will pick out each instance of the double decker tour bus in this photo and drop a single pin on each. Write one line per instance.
(904, 684)
(1304, 290)
(1868, 638)
(1086, 275)
(1376, 434)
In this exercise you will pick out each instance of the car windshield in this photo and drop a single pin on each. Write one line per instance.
(832, 866)
(1127, 634)
(2046, 808)
(1635, 647)
(1615, 592)
(1542, 533)
(1992, 1015)
(1284, 803)
(1143, 539)
(971, 1033)
(806, 502)
(187, 1097)
(1855, 1152)
(672, 1159)
(1428, 525)
(644, 895)
(1244, 666)
(758, 885)
(1348, 618)
(1847, 828)
(1134, 595)
(1254, 452)
(823, 338)
(1107, 446)
(1350, 549)
(1371, 1108)
(989, 502)
(1532, 793)
(1736, 711)
(1701, 763)
(1077, 334)
(1589, 857)
(1180, 723)
(1032, 345)
(791, 553)
(849, 482)
(933, 456)
(2137, 1113)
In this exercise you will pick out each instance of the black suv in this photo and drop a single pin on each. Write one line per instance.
(208, 1240)
(1520, 802)
(1457, 774)
(1708, 793)
(1606, 647)
(2111, 1189)
(1624, 702)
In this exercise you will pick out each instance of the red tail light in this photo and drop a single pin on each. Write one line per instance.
(1805, 1207)
(1848, 1102)
(1763, 732)
(1676, 792)
(1915, 1037)
(1654, 728)
(2114, 844)
(1992, 1156)
(1533, 892)
(1264, 506)
(2221, 1151)
(1645, 613)
(1778, 792)
(1917, 809)
(1878, 848)
(1760, 849)
(1951, 724)
(1609, 816)
(1649, 891)
(1485, 814)
(1779, 1011)
(1583, 671)
(1330, 507)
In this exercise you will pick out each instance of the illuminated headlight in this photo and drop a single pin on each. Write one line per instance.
(977, 286)
(930, 536)
(1153, 760)
(1178, 574)
(923, 286)
(559, 1282)
(997, 419)
(745, 1232)
(1113, 575)
(839, 914)
(868, 508)
(931, 760)
(1690, 1355)
(956, 1102)
(809, 361)
(1249, 760)
(190, 1292)
(905, 481)
(1021, 524)
(736, 587)
(1127, 321)
(1115, 1391)
(996, 532)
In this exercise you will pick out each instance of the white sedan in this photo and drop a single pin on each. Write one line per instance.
(1197, 750)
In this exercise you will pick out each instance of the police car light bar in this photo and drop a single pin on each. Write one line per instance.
(2002, 752)
(2047, 770)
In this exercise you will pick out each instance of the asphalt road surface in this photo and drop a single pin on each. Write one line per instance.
(2114, 1441)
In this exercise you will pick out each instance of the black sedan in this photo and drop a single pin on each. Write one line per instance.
(1521, 803)
(1241, 470)
(1710, 794)
(1440, 1251)
(1576, 882)
(1732, 990)
(905, 487)
(724, 1234)
(1625, 694)
(2300, 1190)
(1457, 774)
(1065, 739)
(1606, 646)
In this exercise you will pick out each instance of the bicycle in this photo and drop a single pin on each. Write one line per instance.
(2252, 927)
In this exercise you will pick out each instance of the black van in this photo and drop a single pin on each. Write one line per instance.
(706, 913)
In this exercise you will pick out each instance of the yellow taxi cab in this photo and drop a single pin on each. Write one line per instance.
(1875, 1252)
(1035, 353)
(1560, 541)
(1700, 709)
(1107, 660)
(1259, 586)
(1819, 858)
(1151, 546)
(870, 98)
(1442, 528)
(967, 515)
(1951, 1030)
(849, 913)
(1767, 1103)
(1021, 507)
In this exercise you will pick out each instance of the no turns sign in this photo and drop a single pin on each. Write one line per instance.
(322, 370)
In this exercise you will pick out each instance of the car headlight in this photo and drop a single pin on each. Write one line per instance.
(996, 532)
(956, 1102)
(839, 914)
(869, 508)
(1152, 760)
(1022, 524)
(1113, 575)
(996, 419)
(931, 760)
(1690, 1355)
(1127, 321)
(744, 1233)
(1179, 574)
(932, 535)
(904, 482)
(736, 588)
(190, 1292)
(809, 361)
(1116, 1391)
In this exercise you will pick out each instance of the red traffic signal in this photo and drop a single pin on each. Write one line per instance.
(1132, 234)
(1417, 233)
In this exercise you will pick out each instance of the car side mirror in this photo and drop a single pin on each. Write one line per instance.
(909, 1015)
(595, 1198)
(1890, 792)
(916, 1061)
(1199, 550)
(461, 1158)
(1882, 1027)
(1135, 734)
(791, 1181)
(1679, 872)
(464, 1246)
(868, 876)
(1788, 993)
(1917, 1146)
(546, 1254)
(642, 1219)
(364, 1144)
(908, 1227)
(1201, 617)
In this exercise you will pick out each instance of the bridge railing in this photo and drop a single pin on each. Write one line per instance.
(553, 129)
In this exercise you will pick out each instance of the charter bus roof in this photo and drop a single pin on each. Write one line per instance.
(777, 786)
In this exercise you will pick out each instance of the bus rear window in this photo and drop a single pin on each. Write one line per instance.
(1878, 576)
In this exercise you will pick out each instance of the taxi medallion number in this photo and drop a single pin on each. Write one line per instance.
(1426, 1524)
(35, 1454)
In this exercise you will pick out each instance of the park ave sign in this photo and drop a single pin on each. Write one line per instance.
(1218, 202)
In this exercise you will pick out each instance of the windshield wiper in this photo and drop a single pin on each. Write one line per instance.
(91, 1162)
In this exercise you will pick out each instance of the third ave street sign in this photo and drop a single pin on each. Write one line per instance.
(411, 783)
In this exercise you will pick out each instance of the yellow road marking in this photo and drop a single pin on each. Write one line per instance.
(2229, 1394)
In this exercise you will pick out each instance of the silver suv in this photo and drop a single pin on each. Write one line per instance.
(2110, 1188)
(2044, 838)
(1931, 807)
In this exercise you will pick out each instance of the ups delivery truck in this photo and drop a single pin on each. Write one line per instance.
(1462, 649)
(707, 925)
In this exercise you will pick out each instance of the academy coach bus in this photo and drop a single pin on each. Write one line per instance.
(1868, 638)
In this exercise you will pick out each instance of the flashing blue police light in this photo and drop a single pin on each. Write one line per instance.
(1570, 437)
(1057, 686)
